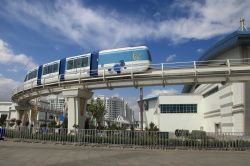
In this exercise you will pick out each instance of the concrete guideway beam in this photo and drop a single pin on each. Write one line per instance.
(77, 105)
(199, 72)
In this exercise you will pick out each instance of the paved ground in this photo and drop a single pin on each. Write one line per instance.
(37, 154)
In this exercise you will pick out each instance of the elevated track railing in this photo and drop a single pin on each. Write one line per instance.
(192, 69)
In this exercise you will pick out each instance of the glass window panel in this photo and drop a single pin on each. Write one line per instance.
(174, 108)
(52, 68)
(25, 78)
(78, 62)
(55, 68)
(44, 70)
(47, 70)
(84, 61)
(178, 108)
(184, 108)
(35, 73)
(30, 75)
(70, 64)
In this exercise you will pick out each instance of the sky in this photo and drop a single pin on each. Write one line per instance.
(37, 32)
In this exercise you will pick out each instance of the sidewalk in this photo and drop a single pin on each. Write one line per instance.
(30, 154)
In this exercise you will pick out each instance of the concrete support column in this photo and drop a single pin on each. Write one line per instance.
(23, 113)
(77, 104)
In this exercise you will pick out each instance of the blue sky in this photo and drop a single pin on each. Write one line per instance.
(36, 32)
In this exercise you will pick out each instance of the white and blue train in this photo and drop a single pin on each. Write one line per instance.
(108, 62)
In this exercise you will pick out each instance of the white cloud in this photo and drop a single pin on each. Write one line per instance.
(199, 50)
(103, 28)
(7, 85)
(158, 92)
(7, 56)
(171, 58)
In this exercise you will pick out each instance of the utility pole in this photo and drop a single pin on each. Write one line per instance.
(141, 107)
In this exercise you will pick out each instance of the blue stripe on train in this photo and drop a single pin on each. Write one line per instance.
(39, 75)
(62, 69)
(94, 64)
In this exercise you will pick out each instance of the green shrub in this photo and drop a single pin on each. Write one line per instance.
(198, 134)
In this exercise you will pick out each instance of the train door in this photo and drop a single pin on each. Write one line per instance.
(39, 75)
(94, 64)
(62, 69)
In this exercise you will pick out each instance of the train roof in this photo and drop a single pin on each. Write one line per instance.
(124, 49)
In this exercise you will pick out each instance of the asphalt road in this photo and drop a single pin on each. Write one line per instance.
(37, 154)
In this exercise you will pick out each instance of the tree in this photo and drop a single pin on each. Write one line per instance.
(97, 109)
(3, 120)
(152, 127)
(18, 122)
(12, 122)
(27, 123)
(76, 126)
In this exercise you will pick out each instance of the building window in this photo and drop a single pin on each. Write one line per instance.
(178, 108)
(210, 92)
(145, 105)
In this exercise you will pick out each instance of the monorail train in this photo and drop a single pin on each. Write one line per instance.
(108, 62)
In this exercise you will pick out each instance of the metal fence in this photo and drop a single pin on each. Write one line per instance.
(135, 139)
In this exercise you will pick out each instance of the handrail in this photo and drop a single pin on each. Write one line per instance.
(196, 67)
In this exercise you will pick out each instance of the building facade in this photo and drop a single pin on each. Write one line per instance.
(116, 108)
(222, 107)
(8, 111)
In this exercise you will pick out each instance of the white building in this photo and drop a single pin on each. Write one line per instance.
(116, 107)
(173, 112)
(7, 110)
(222, 107)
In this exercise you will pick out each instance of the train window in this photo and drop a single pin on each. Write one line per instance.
(84, 62)
(55, 67)
(35, 73)
(49, 69)
(25, 78)
(70, 64)
(31, 75)
(77, 63)
(45, 70)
